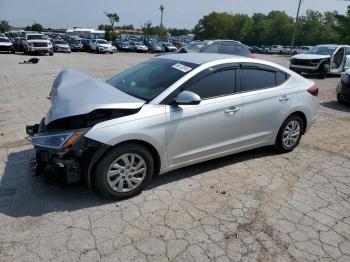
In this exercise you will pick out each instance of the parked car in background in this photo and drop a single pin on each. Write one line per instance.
(37, 43)
(343, 88)
(300, 50)
(229, 47)
(169, 47)
(193, 47)
(18, 44)
(102, 46)
(76, 45)
(165, 113)
(122, 46)
(256, 50)
(86, 44)
(138, 47)
(275, 49)
(6, 45)
(61, 46)
(154, 47)
(322, 60)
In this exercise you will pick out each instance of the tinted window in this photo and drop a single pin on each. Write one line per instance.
(227, 49)
(253, 79)
(348, 50)
(281, 78)
(214, 48)
(216, 84)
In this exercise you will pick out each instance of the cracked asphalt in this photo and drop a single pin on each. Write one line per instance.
(253, 206)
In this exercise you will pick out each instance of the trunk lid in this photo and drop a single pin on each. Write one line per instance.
(74, 93)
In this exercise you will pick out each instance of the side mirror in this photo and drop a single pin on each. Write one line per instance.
(187, 98)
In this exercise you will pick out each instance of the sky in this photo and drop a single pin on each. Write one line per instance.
(177, 13)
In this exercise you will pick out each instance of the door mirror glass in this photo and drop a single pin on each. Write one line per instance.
(187, 98)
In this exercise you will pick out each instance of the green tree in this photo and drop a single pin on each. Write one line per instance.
(112, 17)
(35, 27)
(342, 26)
(4, 26)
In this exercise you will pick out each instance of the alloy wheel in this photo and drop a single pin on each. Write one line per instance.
(291, 133)
(126, 173)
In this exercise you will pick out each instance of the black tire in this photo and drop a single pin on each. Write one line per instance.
(322, 72)
(100, 178)
(279, 145)
(25, 51)
(51, 54)
(339, 98)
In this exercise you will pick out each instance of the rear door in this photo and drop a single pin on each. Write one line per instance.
(267, 99)
(198, 131)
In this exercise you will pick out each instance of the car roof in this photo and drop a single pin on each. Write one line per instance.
(197, 58)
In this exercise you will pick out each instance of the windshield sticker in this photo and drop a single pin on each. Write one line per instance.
(182, 67)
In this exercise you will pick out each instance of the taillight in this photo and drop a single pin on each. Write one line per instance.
(313, 90)
(253, 55)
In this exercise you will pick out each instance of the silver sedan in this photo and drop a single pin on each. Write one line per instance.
(166, 113)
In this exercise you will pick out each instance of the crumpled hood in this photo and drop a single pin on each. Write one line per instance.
(310, 56)
(74, 93)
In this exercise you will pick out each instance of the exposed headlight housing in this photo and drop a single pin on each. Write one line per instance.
(57, 141)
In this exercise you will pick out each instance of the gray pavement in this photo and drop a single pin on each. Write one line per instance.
(253, 206)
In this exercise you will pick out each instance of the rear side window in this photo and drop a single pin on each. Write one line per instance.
(257, 78)
(235, 49)
(219, 83)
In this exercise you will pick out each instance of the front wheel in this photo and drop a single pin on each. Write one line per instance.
(322, 73)
(289, 134)
(124, 171)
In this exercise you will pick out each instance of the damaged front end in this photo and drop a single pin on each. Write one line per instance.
(78, 103)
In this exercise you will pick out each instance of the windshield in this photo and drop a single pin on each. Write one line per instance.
(75, 41)
(150, 78)
(60, 42)
(322, 50)
(194, 47)
(138, 43)
(4, 40)
(102, 42)
(36, 37)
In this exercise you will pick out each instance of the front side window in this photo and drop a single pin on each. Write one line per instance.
(216, 84)
(150, 78)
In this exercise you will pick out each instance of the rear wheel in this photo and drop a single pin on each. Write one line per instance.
(124, 171)
(289, 134)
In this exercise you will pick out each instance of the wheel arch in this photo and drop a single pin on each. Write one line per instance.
(303, 118)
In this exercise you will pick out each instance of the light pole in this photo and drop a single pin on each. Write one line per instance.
(161, 8)
(296, 25)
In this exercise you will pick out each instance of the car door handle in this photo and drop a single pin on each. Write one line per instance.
(232, 110)
(283, 99)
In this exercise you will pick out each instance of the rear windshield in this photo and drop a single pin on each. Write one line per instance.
(150, 78)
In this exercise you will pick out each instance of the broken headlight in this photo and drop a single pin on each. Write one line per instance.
(57, 140)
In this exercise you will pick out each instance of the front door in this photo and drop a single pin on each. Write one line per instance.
(338, 60)
(198, 131)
